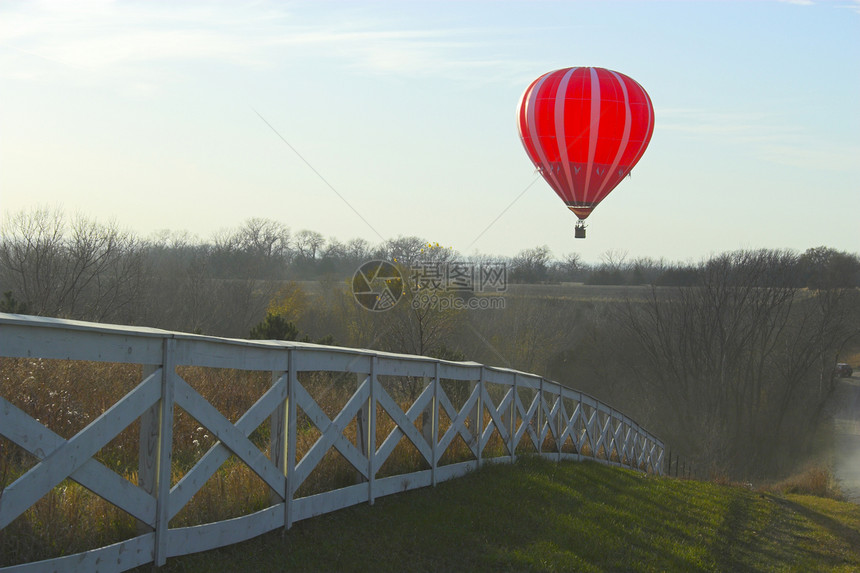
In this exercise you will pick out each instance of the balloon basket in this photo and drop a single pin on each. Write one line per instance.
(579, 230)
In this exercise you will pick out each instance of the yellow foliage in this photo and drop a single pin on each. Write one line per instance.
(291, 302)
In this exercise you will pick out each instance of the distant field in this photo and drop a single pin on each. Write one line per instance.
(579, 291)
(572, 291)
(542, 516)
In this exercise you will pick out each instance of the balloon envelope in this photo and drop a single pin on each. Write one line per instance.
(584, 129)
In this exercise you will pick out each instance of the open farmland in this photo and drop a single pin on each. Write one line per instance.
(581, 292)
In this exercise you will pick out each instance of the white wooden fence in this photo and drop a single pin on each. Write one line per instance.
(588, 427)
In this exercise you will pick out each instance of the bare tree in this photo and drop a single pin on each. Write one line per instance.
(417, 326)
(181, 284)
(357, 251)
(403, 250)
(736, 361)
(530, 265)
(258, 249)
(79, 270)
(265, 239)
(527, 334)
(309, 244)
(568, 267)
(614, 259)
(824, 268)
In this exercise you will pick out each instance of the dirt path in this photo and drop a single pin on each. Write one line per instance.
(846, 457)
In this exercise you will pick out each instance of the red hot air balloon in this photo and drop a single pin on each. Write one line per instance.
(585, 129)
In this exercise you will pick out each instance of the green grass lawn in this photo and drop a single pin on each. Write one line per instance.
(542, 516)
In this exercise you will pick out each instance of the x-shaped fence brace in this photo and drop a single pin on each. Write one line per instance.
(332, 432)
(458, 422)
(527, 417)
(73, 458)
(404, 423)
(232, 439)
(497, 423)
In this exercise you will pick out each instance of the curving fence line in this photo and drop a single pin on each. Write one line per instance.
(518, 412)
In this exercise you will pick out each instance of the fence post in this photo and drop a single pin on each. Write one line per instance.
(147, 470)
(560, 413)
(479, 417)
(435, 422)
(292, 381)
(427, 415)
(370, 440)
(581, 428)
(663, 449)
(540, 418)
(473, 414)
(278, 440)
(512, 445)
(165, 450)
(361, 423)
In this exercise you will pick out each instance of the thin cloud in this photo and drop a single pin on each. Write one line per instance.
(708, 123)
(764, 135)
(101, 36)
(815, 156)
(853, 5)
(113, 35)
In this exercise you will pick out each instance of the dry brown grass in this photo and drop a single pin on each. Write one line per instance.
(815, 480)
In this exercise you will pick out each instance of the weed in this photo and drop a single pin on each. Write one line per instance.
(814, 480)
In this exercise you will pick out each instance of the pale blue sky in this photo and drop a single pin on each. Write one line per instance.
(146, 113)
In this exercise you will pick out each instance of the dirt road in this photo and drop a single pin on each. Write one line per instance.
(846, 457)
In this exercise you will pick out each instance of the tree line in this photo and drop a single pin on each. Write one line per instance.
(728, 359)
(77, 267)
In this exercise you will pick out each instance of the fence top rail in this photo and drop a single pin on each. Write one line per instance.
(65, 324)
(42, 322)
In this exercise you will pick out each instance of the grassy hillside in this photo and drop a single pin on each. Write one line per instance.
(541, 516)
